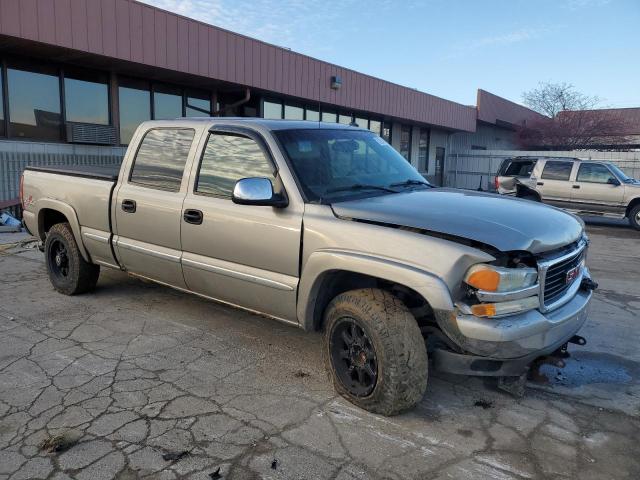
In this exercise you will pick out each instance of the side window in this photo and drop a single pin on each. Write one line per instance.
(161, 158)
(228, 158)
(557, 170)
(593, 173)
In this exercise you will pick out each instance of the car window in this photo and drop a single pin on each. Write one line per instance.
(557, 170)
(520, 168)
(594, 173)
(161, 158)
(228, 158)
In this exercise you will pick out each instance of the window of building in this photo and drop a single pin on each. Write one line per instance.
(161, 158)
(34, 105)
(312, 115)
(272, 110)
(86, 100)
(228, 158)
(362, 122)
(345, 118)
(292, 112)
(386, 132)
(594, 173)
(135, 108)
(2, 129)
(198, 105)
(375, 126)
(557, 170)
(423, 150)
(167, 103)
(405, 141)
(330, 117)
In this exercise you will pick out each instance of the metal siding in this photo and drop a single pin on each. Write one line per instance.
(203, 50)
(29, 19)
(109, 28)
(160, 32)
(149, 36)
(123, 39)
(135, 32)
(62, 16)
(183, 44)
(79, 25)
(10, 17)
(94, 26)
(172, 42)
(192, 52)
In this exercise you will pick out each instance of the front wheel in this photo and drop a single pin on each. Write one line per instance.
(634, 217)
(69, 273)
(375, 351)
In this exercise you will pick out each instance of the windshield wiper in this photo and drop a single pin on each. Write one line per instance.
(360, 186)
(409, 182)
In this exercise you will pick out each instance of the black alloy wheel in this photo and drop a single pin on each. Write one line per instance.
(353, 357)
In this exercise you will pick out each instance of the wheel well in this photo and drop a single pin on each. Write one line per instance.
(337, 282)
(632, 204)
(47, 219)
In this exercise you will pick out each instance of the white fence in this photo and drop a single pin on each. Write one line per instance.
(473, 169)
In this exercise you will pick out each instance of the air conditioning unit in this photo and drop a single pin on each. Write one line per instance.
(91, 133)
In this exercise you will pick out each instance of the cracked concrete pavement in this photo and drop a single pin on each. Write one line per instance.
(134, 371)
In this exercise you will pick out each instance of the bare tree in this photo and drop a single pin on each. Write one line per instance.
(551, 98)
(574, 130)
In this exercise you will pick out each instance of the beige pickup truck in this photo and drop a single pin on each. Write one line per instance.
(325, 227)
(583, 187)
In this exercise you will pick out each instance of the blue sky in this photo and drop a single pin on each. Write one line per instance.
(450, 48)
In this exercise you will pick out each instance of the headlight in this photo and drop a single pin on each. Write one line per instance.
(504, 308)
(500, 279)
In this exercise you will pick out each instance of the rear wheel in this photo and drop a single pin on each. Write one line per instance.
(69, 273)
(375, 351)
(634, 217)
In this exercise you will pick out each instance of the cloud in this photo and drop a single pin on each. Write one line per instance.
(504, 39)
(578, 4)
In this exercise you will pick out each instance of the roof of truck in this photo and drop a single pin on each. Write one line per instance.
(269, 124)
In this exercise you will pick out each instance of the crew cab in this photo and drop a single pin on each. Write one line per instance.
(584, 187)
(324, 227)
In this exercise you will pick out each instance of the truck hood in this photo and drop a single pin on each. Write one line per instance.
(506, 224)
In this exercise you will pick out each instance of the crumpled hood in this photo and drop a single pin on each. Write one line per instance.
(503, 222)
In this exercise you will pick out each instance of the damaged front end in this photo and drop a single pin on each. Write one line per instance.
(517, 312)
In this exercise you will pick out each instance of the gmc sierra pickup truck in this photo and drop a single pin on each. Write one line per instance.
(325, 227)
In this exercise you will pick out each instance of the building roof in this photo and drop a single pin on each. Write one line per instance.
(138, 34)
(628, 118)
(500, 111)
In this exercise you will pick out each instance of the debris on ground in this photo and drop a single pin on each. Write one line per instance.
(484, 404)
(274, 464)
(301, 374)
(175, 456)
(59, 443)
(215, 475)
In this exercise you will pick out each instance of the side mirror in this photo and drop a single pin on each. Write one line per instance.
(613, 181)
(257, 191)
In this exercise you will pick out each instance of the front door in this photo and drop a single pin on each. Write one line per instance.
(592, 192)
(241, 254)
(149, 206)
(553, 185)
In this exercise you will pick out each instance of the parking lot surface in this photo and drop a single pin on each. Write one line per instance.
(138, 380)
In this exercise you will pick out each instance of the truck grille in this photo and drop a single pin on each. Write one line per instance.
(556, 280)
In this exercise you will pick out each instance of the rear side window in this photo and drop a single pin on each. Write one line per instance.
(594, 173)
(557, 170)
(517, 168)
(161, 158)
(228, 158)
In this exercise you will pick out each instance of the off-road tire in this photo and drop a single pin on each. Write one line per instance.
(634, 217)
(399, 347)
(81, 276)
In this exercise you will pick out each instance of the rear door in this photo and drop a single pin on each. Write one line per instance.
(148, 205)
(554, 183)
(245, 255)
(592, 192)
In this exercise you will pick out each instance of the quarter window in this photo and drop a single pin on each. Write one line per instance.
(161, 158)
(594, 173)
(228, 158)
(557, 170)
(34, 105)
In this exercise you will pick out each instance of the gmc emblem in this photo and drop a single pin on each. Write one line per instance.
(572, 275)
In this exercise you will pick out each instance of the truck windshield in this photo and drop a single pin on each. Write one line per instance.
(333, 164)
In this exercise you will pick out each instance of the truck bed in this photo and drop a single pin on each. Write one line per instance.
(109, 172)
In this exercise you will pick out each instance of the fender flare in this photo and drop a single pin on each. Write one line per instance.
(69, 212)
(324, 262)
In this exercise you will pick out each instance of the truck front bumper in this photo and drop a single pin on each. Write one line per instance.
(506, 346)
